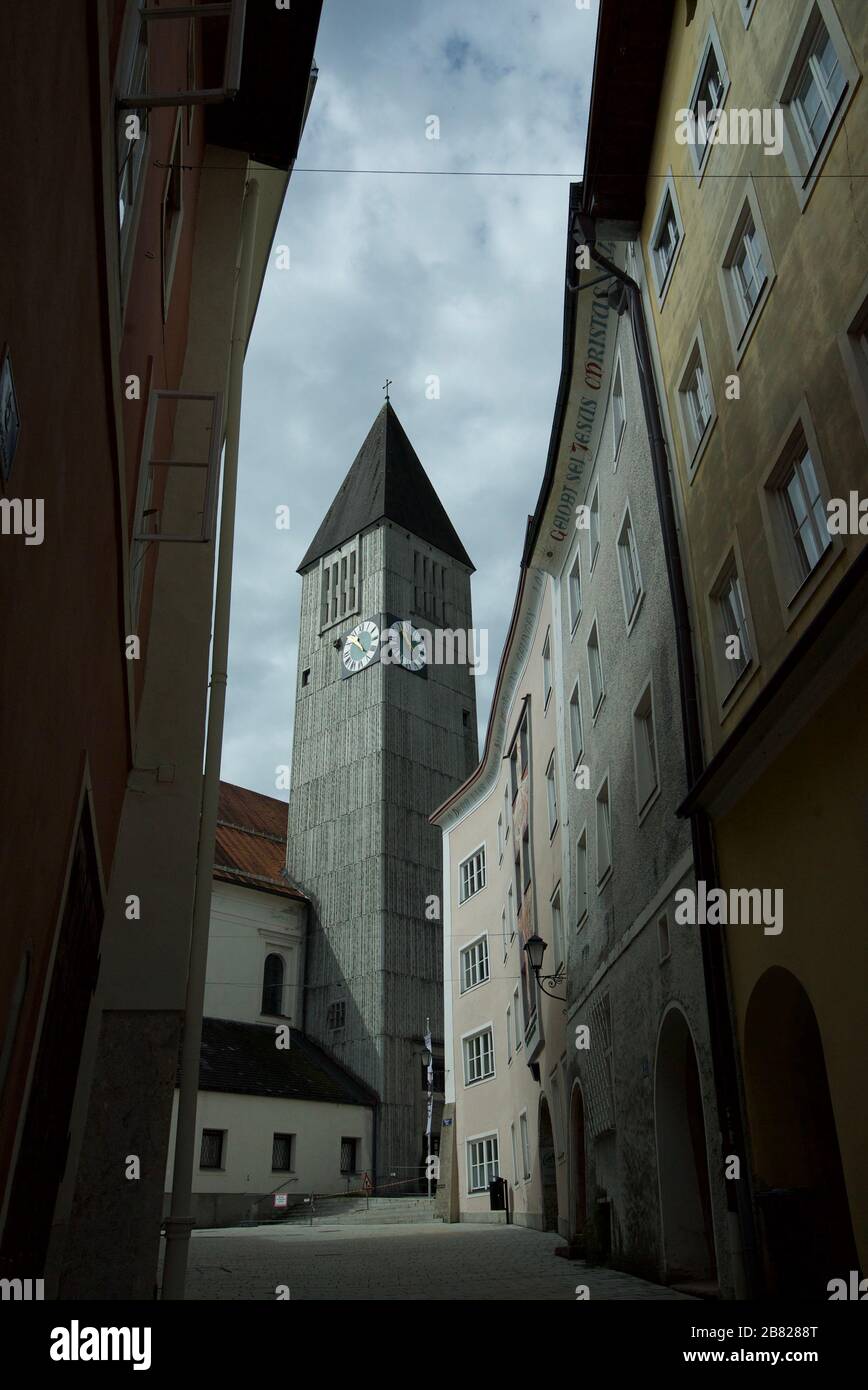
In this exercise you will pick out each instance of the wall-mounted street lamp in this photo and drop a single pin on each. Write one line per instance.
(536, 949)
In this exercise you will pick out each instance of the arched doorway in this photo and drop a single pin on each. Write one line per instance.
(578, 1168)
(682, 1160)
(548, 1175)
(805, 1225)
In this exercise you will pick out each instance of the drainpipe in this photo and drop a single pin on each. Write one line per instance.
(180, 1223)
(724, 1062)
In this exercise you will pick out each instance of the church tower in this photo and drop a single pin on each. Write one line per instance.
(385, 730)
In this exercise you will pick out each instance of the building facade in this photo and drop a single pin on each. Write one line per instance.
(93, 976)
(382, 733)
(506, 1067)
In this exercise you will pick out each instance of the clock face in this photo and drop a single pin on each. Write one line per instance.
(407, 640)
(360, 646)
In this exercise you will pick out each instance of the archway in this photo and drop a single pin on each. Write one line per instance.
(682, 1161)
(548, 1175)
(805, 1225)
(578, 1168)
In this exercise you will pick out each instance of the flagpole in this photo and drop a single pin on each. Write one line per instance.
(428, 1044)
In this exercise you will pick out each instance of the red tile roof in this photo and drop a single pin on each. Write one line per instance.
(250, 848)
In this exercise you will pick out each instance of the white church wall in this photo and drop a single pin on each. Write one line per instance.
(246, 926)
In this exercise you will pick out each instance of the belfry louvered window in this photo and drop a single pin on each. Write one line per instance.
(340, 586)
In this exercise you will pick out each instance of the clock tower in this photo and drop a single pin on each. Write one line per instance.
(385, 730)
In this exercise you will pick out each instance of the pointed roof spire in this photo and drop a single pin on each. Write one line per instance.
(386, 482)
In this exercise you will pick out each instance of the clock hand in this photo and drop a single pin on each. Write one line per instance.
(359, 645)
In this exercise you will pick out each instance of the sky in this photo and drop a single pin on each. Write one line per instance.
(408, 277)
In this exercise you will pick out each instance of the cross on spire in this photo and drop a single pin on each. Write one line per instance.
(386, 387)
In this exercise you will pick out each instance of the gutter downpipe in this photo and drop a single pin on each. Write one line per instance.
(724, 1063)
(179, 1223)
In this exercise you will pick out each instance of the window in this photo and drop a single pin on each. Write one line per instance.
(557, 927)
(801, 501)
(340, 585)
(628, 565)
(504, 932)
(663, 944)
(732, 646)
(305, 676)
(509, 1033)
(336, 1015)
(746, 273)
(695, 401)
(211, 1153)
(619, 415)
(272, 985)
(281, 1153)
(513, 773)
(577, 740)
(523, 744)
(482, 1163)
(172, 214)
(821, 78)
(430, 587)
(500, 837)
(552, 795)
(595, 669)
(574, 591)
(747, 10)
(349, 1156)
(667, 238)
(525, 860)
(645, 749)
(556, 1113)
(547, 671)
(474, 964)
(516, 1019)
(604, 833)
(510, 911)
(708, 96)
(507, 809)
(525, 1143)
(582, 877)
(854, 349)
(131, 137)
(594, 526)
(471, 873)
(479, 1056)
(514, 1156)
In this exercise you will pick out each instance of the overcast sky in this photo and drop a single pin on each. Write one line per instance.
(461, 277)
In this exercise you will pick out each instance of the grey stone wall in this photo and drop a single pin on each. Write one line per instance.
(373, 756)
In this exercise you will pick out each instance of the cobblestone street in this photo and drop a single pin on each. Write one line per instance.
(425, 1261)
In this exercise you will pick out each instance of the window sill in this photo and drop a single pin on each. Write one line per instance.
(599, 706)
(650, 800)
(470, 988)
(480, 1081)
(728, 701)
(631, 620)
(601, 883)
(699, 450)
(583, 921)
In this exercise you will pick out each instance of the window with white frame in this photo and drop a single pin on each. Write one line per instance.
(818, 86)
(695, 401)
(507, 809)
(339, 585)
(500, 837)
(471, 875)
(645, 748)
(509, 1032)
(604, 832)
(574, 590)
(525, 1143)
(594, 525)
(172, 214)
(746, 273)
(665, 240)
(577, 739)
(474, 964)
(504, 932)
(582, 877)
(732, 646)
(478, 1057)
(552, 794)
(801, 509)
(708, 96)
(514, 1155)
(822, 75)
(516, 1020)
(557, 926)
(547, 670)
(628, 565)
(595, 668)
(619, 414)
(482, 1163)
(510, 911)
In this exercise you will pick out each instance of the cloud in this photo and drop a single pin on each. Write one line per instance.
(407, 276)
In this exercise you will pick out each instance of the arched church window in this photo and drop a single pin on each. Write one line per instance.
(272, 985)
